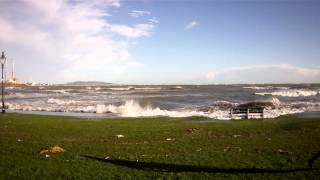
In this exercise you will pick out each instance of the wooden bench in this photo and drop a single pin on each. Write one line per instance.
(247, 112)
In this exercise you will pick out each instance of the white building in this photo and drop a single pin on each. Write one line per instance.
(13, 79)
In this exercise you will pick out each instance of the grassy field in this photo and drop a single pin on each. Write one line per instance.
(158, 148)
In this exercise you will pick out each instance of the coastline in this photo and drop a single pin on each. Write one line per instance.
(105, 116)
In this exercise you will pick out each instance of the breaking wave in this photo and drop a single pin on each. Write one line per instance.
(132, 108)
(265, 87)
(134, 88)
(61, 102)
(258, 87)
(24, 95)
(61, 91)
(290, 93)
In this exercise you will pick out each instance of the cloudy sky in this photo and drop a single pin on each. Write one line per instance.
(162, 41)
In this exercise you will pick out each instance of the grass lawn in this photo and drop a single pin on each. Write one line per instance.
(158, 148)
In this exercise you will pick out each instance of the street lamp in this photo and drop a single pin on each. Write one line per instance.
(3, 60)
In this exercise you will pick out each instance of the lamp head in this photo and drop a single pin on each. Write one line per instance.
(2, 58)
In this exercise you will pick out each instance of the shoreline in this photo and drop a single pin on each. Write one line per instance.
(84, 115)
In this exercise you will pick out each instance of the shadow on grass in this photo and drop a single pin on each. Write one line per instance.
(152, 166)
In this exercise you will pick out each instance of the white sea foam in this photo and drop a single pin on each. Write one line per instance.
(273, 113)
(224, 102)
(134, 109)
(25, 107)
(61, 91)
(16, 95)
(290, 93)
(24, 95)
(276, 102)
(134, 88)
(258, 87)
(148, 88)
(309, 106)
(61, 102)
(266, 87)
(122, 88)
(306, 104)
(177, 87)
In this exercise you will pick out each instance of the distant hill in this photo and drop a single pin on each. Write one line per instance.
(86, 83)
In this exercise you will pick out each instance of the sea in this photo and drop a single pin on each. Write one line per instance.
(211, 101)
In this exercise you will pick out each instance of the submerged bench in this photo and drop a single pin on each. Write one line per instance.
(247, 113)
(252, 110)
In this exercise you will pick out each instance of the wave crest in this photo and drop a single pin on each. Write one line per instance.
(132, 108)
(290, 93)
(61, 102)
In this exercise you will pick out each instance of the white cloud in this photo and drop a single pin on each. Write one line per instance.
(268, 73)
(63, 40)
(191, 25)
(137, 13)
(136, 31)
(153, 20)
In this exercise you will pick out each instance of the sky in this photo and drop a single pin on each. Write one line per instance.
(162, 41)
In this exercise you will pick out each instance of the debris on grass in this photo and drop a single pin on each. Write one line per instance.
(120, 136)
(194, 130)
(281, 151)
(258, 150)
(232, 148)
(199, 149)
(169, 139)
(53, 150)
(236, 135)
(213, 136)
(47, 155)
(19, 140)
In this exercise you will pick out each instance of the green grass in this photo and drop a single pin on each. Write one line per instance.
(23, 136)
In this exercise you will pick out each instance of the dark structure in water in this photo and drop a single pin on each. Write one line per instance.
(251, 110)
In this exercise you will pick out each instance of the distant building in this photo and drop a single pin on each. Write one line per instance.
(13, 79)
(36, 84)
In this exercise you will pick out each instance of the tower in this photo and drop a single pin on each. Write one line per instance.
(12, 72)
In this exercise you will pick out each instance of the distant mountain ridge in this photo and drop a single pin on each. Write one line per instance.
(86, 83)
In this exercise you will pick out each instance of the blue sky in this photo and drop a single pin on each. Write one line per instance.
(164, 42)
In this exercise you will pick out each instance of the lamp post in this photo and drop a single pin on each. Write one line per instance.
(3, 60)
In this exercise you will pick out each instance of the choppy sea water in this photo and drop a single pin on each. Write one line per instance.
(213, 101)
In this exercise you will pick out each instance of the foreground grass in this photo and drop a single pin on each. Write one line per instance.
(157, 148)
